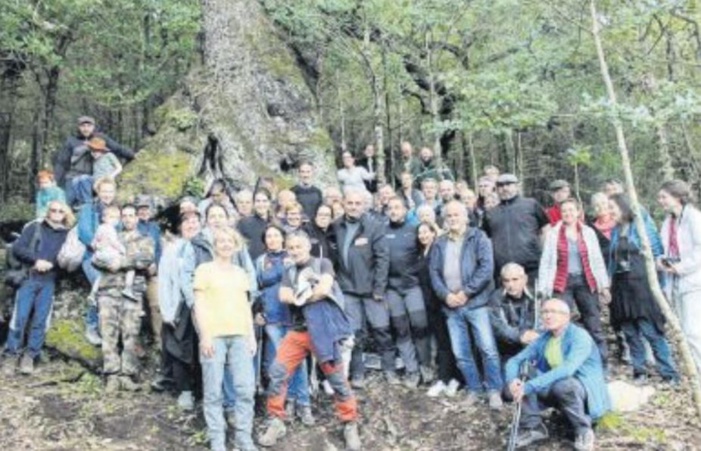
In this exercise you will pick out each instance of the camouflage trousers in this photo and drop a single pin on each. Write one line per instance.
(119, 316)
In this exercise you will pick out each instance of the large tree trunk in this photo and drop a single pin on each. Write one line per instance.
(676, 333)
(247, 113)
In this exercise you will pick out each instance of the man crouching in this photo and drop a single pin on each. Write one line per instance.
(319, 325)
(569, 377)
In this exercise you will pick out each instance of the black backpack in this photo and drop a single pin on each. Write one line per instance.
(15, 270)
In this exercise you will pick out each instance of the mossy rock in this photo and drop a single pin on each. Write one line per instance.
(66, 337)
(160, 174)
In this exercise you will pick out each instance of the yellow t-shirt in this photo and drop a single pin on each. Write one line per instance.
(222, 294)
(553, 352)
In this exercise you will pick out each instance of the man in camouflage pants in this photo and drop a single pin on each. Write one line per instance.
(119, 314)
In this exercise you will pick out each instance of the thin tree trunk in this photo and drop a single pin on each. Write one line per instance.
(666, 168)
(341, 112)
(675, 329)
(473, 159)
(388, 117)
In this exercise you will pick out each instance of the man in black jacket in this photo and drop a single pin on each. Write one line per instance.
(363, 263)
(308, 195)
(37, 248)
(515, 227)
(512, 312)
(404, 296)
(75, 160)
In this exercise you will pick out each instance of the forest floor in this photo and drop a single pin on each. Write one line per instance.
(63, 406)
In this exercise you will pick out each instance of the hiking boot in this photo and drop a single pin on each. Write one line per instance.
(436, 389)
(392, 378)
(427, 374)
(584, 441)
(113, 384)
(411, 380)
(186, 401)
(304, 413)
(9, 365)
(128, 384)
(452, 388)
(529, 436)
(495, 402)
(161, 384)
(26, 365)
(275, 431)
(93, 337)
(357, 383)
(352, 437)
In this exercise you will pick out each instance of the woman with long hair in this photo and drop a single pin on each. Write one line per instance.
(253, 226)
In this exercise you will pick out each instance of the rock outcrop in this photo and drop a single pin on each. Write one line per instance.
(246, 112)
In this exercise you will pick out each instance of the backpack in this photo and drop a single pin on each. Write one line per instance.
(16, 271)
(71, 254)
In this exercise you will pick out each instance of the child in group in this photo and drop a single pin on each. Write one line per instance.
(106, 163)
(109, 249)
(47, 192)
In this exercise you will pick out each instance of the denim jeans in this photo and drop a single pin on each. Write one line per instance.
(462, 322)
(92, 319)
(634, 332)
(231, 355)
(34, 294)
(298, 390)
(79, 190)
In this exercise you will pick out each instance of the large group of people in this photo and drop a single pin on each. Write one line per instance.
(267, 290)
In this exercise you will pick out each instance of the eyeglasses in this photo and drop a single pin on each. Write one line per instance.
(553, 312)
(56, 210)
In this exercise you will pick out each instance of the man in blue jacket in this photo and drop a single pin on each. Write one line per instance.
(461, 269)
(570, 376)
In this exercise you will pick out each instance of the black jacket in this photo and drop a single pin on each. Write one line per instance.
(47, 247)
(510, 318)
(403, 256)
(322, 242)
(365, 162)
(310, 197)
(514, 227)
(252, 229)
(368, 258)
(63, 168)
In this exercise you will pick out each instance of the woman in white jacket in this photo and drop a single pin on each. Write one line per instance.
(681, 238)
(573, 269)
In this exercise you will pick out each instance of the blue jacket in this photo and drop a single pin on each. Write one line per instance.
(477, 268)
(634, 239)
(88, 222)
(581, 359)
(270, 269)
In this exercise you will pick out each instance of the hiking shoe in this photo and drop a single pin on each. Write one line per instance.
(671, 382)
(9, 365)
(186, 401)
(640, 379)
(427, 374)
(529, 436)
(451, 390)
(128, 384)
(436, 389)
(93, 337)
(304, 413)
(357, 383)
(275, 431)
(411, 380)
(392, 378)
(352, 437)
(328, 389)
(161, 384)
(584, 441)
(113, 384)
(470, 399)
(495, 402)
(26, 365)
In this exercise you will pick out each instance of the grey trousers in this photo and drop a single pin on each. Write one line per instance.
(362, 311)
(410, 323)
(568, 396)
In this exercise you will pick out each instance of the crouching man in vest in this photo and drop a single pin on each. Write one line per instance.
(319, 325)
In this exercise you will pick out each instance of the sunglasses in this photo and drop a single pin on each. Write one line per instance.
(56, 210)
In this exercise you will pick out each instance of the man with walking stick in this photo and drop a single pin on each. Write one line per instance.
(568, 376)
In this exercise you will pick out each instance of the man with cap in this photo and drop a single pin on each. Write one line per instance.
(515, 227)
(560, 191)
(75, 159)
(148, 227)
